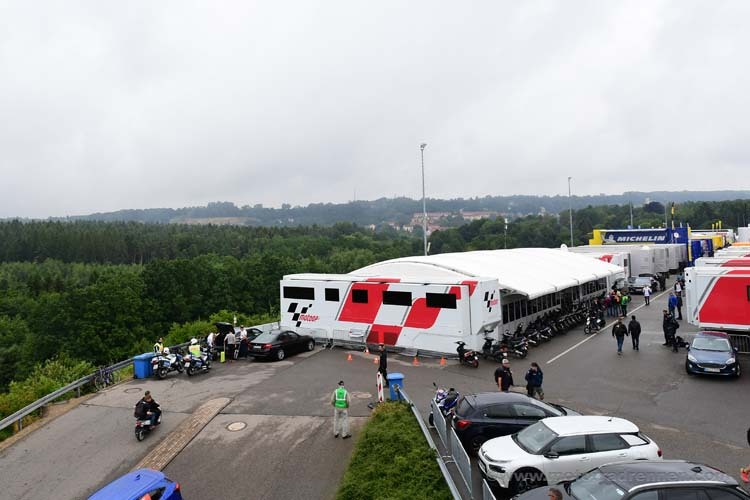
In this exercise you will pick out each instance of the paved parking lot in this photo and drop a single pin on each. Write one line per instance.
(284, 446)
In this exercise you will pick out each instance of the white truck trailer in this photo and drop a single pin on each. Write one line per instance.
(718, 297)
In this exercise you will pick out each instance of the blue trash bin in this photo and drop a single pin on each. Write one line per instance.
(142, 365)
(393, 380)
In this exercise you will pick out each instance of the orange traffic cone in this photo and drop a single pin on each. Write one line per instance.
(415, 362)
(349, 358)
(375, 360)
(442, 361)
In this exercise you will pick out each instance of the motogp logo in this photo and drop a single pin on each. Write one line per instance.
(490, 300)
(302, 315)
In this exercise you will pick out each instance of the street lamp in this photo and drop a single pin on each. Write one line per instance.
(570, 212)
(424, 205)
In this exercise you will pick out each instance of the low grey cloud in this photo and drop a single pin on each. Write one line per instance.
(110, 105)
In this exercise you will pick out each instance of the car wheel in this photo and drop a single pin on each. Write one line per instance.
(526, 480)
(280, 354)
(687, 369)
(476, 443)
(311, 345)
(737, 372)
(431, 420)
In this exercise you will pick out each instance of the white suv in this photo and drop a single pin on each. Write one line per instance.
(562, 448)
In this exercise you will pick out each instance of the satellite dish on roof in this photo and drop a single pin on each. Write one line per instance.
(564, 247)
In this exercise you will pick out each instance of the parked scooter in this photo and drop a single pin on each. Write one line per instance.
(445, 401)
(515, 345)
(143, 427)
(465, 357)
(166, 362)
(195, 364)
(594, 323)
(492, 349)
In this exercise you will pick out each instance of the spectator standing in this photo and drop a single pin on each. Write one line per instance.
(341, 401)
(383, 365)
(670, 326)
(672, 303)
(678, 288)
(624, 301)
(210, 340)
(229, 344)
(678, 305)
(634, 329)
(619, 330)
(159, 346)
(503, 376)
(647, 294)
(534, 379)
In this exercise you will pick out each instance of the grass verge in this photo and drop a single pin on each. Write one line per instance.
(392, 460)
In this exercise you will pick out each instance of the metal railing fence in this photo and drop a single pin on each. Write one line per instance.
(461, 459)
(486, 491)
(428, 436)
(439, 422)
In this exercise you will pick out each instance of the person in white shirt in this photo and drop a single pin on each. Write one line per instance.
(230, 340)
(647, 294)
(210, 340)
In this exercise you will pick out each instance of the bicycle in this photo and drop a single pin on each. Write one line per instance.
(104, 377)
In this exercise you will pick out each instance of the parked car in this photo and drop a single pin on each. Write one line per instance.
(648, 480)
(620, 284)
(655, 281)
(487, 415)
(560, 449)
(712, 353)
(637, 284)
(277, 344)
(140, 485)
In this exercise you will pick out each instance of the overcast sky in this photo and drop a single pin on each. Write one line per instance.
(108, 105)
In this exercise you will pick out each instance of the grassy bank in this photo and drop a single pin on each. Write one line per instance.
(392, 460)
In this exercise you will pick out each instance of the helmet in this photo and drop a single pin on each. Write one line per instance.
(193, 341)
(166, 350)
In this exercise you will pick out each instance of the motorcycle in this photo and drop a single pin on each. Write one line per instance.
(465, 357)
(194, 364)
(446, 401)
(492, 349)
(143, 427)
(594, 323)
(167, 362)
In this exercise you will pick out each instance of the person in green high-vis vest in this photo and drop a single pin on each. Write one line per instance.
(340, 401)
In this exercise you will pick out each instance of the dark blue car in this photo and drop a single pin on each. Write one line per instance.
(712, 353)
(143, 484)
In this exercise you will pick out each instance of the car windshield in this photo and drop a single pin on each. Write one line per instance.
(711, 344)
(554, 409)
(266, 337)
(534, 438)
(595, 486)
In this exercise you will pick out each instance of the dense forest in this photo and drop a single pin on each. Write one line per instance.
(399, 210)
(98, 292)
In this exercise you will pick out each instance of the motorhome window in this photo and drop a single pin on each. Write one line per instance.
(397, 298)
(511, 312)
(332, 294)
(359, 296)
(441, 300)
(524, 310)
(505, 314)
(299, 292)
(517, 307)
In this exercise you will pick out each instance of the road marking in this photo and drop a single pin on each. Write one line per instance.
(600, 331)
(178, 439)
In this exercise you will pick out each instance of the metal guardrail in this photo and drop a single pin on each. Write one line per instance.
(20, 414)
(439, 422)
(486, 491)
(462, 460)
(443, 469)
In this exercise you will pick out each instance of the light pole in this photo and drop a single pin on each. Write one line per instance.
(570, 212)
(424, 205)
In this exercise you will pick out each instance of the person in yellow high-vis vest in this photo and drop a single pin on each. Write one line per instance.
(340, 401)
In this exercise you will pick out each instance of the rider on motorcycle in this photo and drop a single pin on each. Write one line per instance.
(147, 408)
(195, 350)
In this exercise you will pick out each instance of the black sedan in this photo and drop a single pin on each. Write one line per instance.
(488, 415)
(277, 344)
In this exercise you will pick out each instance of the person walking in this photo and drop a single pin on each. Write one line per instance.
(229, 342)
(503, 376)
(647, 294)
(634, 329)
(678, 305)
(341, 401)
(534, 378)
(619, 330)
(672, 303)
(383, 365)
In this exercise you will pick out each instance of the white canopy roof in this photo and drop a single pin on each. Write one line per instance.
(528, 271)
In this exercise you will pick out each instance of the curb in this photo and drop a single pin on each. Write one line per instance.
(178, 439)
